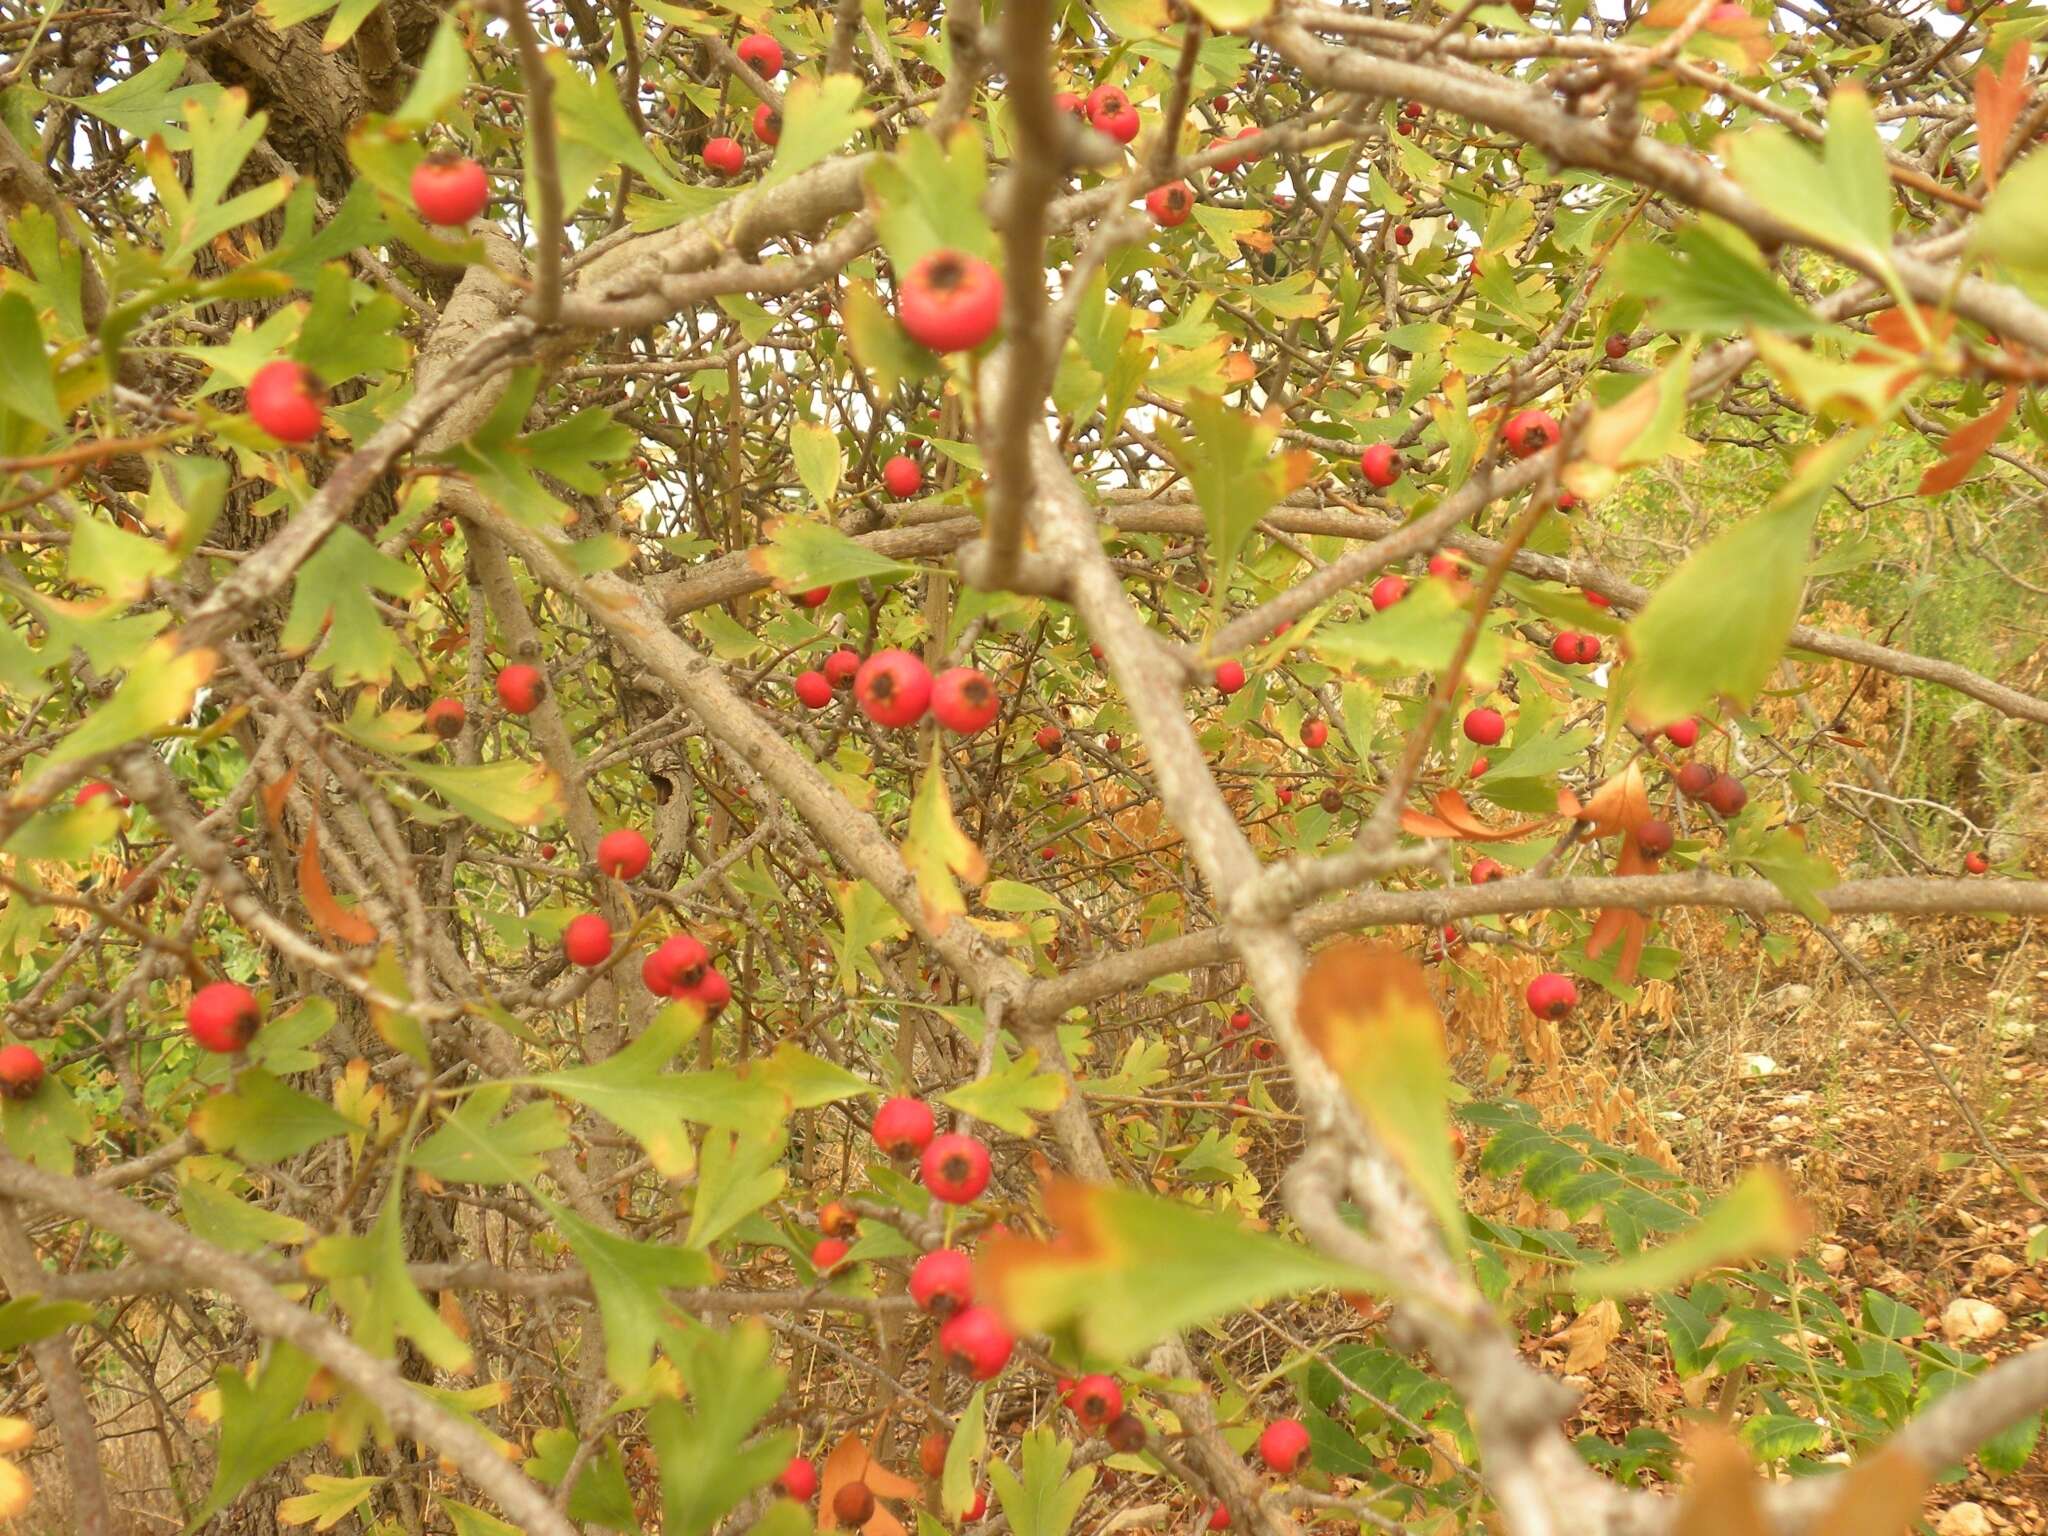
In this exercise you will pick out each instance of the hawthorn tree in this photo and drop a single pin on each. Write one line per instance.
(752, 751)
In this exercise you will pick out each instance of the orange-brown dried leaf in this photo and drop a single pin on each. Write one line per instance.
(2001, 97)
(1721, 1498)
(1879, 1496)
(1968, 443)
(1620, 805)
(1454, 818)
(852, 1461)
(274, 795)
(329, 915)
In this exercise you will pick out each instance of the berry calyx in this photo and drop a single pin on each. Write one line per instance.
(1530, 432)
(521, 688)
(445, 718)
(963, 700)
(977, 1341)
(1485, 727)
(623, 854)
(901, 477)
(587, 940)
(1551, 995)
(903, 1127)
(950, 301)
(223, 1016)
(725, 155)
(1111, 113)
(21, 1072)
(799, 1480)
(813, 689)
(1380, 464)
(761, 53)
(1171, 204)
(285, 400)
(1388, 590)
(1096, 1401)
(955, 1168)
(1229, 676)
(835, 1220)
(942, 1281)
(1283, 1443)
(449, 189)
(893, 688)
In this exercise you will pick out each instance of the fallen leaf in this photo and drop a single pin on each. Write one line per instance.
(1588, 1335)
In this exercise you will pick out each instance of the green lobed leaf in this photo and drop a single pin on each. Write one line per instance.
(1759, 1217)
(263, 1120)
(628, 1279)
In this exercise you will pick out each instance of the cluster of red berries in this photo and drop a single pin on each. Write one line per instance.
(895, 689)
(1575, 649)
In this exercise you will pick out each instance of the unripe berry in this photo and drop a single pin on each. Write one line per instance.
(1551, 995)
(903, 1127)
(623, 854)
(587, 940)
(955, 1168)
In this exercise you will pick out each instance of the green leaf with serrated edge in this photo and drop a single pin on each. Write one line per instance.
(505, 795)
(262, 1425)
(1045, 1500)
(151, 101)
(327, 1501)
(112, 560)
(24, 1319)
(443, 75)
(1759, 1218)
(27, 387)
(1236, 476)
(341, 337)
(1718, 626)
(468, 1520)
(595, 138)
(708, 1463)
(69, 834)
(1368, 1012)
(263, 1120)
(283, 1044)
(1782, 857)
(928, 196)
(230, 1222)
(332, 604)
(1708, 281)
(865, 920)
(879, 343)
(1013, 896)
(628, 1280)
(186, 494)
(965, 1452)
(799, 554)
(601, 1495)
(43, 1127)
(737, 1174)
(1133, 19)
(1010, 1094)
(818, 117)
(157, 692)
(370, 1281)
(1128, 1268)
(198, 199)
(818, 461)
(1841, 198)
(936, 850)
(1420, 633)
(1226, 226)
(473, 1146)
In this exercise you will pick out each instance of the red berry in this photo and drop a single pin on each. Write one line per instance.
(762, 53)
(799, 1480)
(1110, 110)
(1051, 740)
(826, 1253)
(1286, 794)
(767, 124)
(975, 1339)
(285, 400)
(963, 700)
(677, 962)
(1125, 1434)
(1695, 779)
(1229, 676)
(950, 301)
(903, 1127)
(841, 667)
(547, 850)
(725, 155)
(1405, 128)
(931, 1453)
(1112, 744)
(710, 991)
(1219, 1518)
(979, 1507)
(1171, 204)
(1655, 837)
(1598, 600)
(445, 718)
(1617, 347)
(1380, 464)
(1565, 647)
(1239, 1021)
(449, 189)
(901, 477)
(1331, 800)
(623, 854)
(521, 688)
(1726, 794)
(1484, 870)
(1389, 590)
(1096, 1400)
(1412, 110)
(21, 1070)
(1530, 432)
(587, 940)
(893, 688)
(942, 1281)
(1683, 733)
(815, 598)
(1565, 501)
(813, 689)
(89, 792)
(1283, 1443)
(1485, 727)
(1314, 733)
(1478, 768)
(1403, 235)
(1551, 995)
(223, 1016)
(1072, 105)
(1586, 649)
(1973, 861)
(853, 1504)
(955, 1168)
